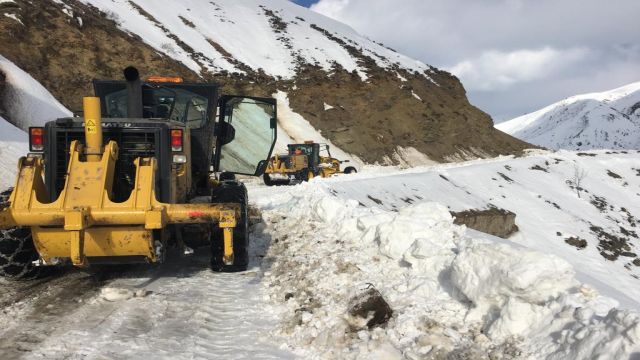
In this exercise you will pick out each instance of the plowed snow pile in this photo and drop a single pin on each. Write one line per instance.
(26, 103)
(13, 144)
(453, 292)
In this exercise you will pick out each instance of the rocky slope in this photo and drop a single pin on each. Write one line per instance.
(606, 120)
(367, 99)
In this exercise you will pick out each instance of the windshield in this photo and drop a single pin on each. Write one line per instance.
(251, 133)
(163, 103)
(300, 149)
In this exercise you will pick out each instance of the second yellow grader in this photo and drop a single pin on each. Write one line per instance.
(302, 163)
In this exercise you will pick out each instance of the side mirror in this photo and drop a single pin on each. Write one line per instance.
(262, 166)
(225, 132)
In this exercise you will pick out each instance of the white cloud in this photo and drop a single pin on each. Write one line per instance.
(508, 53)
(494, 69)
(332, 8)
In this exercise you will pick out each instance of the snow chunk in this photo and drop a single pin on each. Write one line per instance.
(614, 337)
(327, 107)
(121, 294)
(490, 273)
(14, 17)
(415, 229)
(415, 95)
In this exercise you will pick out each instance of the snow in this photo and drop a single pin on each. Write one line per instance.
(13, 144)
(27, 102)
(179, 311)
(408, 157)
(249, 31)
(548, 210)
(452, 290)
(14, 17)
(415, 95)
(328, 107)
(606, 120)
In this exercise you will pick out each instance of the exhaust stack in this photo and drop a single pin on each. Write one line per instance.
(134, 92)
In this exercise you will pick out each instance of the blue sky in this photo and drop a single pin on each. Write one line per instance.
(306, 3)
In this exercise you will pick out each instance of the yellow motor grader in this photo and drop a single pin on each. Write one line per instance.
(132, 178)
(303, 162)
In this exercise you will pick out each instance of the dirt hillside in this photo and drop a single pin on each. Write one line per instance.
(66, 45)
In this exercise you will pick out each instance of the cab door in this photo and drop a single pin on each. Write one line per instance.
(245, 134)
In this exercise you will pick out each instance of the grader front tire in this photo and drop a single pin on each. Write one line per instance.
(231, 192)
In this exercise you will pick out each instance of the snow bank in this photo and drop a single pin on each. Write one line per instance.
(452, 294)
(27, 103)
(538, 189)
(13, 145)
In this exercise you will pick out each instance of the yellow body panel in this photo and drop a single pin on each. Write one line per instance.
(275, 166)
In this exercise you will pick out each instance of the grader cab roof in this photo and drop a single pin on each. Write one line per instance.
(190, 103)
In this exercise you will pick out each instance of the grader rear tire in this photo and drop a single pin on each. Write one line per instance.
(17, 252)
(231, 192)
(350, 170)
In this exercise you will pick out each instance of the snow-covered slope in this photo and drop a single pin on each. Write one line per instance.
(457, 293)
(230, 35)
(13, 144)
(607, 120)
(25, 101)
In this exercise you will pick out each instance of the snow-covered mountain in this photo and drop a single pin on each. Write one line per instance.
(275, 36)
(606, 120)
(365, 98)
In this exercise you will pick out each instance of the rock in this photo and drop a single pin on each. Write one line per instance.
(370, 306)
(494, 221)
(577, 242)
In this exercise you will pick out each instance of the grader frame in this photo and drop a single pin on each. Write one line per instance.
(83, 221)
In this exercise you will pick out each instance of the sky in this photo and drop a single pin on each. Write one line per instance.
(512, 56)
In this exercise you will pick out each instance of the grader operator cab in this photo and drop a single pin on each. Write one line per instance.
(303, 162)
(132, 178)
